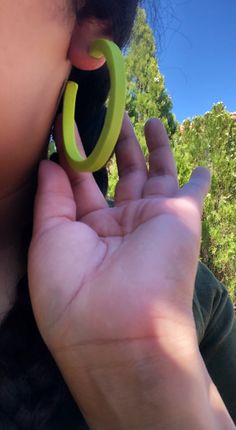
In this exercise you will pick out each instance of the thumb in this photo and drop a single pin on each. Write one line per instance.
(54, 200)
(197, 187)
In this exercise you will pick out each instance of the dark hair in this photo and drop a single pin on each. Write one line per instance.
(119, 15)
(33, 394)
(94, 86)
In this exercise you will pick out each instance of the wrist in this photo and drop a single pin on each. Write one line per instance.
(140, 387)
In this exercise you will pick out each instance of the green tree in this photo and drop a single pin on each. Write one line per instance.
(210, 140)
(146, 93)
(147, 96)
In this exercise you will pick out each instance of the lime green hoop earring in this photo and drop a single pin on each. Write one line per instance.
(114, 116)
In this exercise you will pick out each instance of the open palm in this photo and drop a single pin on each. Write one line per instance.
(100, 274)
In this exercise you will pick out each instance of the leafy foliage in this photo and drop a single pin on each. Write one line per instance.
(210, 140)
(147, 96)
(146, 93)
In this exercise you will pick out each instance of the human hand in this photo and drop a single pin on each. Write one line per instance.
(110, 284)
(151, 236)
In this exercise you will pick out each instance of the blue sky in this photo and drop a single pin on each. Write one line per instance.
(197, 53)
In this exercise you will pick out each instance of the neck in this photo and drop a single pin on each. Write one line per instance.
(15, 219)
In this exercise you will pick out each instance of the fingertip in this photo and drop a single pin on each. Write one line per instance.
(44, 167)
(126, 129)
(155, 131)
(52, 178)
(202, 176)
(47, 166)
(54, 198)
(201, 170)
(154, 122)
(149, 123)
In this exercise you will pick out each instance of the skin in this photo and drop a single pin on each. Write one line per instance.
(101, 286)
(33, 64)
(29, 60)
(127, 305)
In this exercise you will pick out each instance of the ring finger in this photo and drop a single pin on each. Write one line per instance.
(162, 178)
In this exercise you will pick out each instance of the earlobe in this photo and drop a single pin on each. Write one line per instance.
(114, 113)
(83, 35)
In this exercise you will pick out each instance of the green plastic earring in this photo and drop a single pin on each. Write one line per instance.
(114, 116)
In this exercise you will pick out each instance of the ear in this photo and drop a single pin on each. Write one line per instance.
(82, 37)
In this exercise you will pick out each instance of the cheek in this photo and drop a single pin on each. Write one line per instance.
(33, 67)
(38, 27)
(34, 41)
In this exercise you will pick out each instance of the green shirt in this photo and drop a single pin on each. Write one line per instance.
(216, 329)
